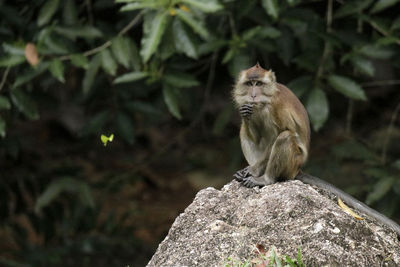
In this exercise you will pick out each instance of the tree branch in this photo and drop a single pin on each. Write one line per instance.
(4, 78)
(107, 44)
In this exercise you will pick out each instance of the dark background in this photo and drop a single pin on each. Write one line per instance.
(158, 76)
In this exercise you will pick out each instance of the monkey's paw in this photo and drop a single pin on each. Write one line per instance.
(242, 174)
(251, 182)
(246, 110)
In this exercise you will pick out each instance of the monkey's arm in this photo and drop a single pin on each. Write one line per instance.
(351, 201)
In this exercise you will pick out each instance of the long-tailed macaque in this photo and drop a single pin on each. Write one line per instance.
(275, 132)
(275, 137)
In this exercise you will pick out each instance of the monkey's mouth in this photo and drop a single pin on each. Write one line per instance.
(257, 104)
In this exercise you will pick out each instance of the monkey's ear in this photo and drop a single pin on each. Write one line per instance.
(272, 76)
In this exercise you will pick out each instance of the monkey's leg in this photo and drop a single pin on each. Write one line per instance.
(286, 157)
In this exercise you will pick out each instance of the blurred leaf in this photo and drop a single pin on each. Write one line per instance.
(79, 61)
(196, 24)
(382, 5)
(353, 150)
(57, 69)
(95, 123)
(301, 85)
(17, 48)
(90, 74)
(269, 32)
(125, 127)
(153, 30)
(24, 104)
(318, 108)
(2, 127)
(47, 11)
(64, 185)
(120, 48)
(105, 139)
(11, 60)
(388, 40)
(207, 6)
(347, 87)
(396, 164)
(108, 63)
(131, 77)
(211, 46)
(31, 54)
(180, 79)
(30, 74)
(133, 55)
(135, 6)
(4, 103)
(352, 7)
(363, 65)
(379, 52)
(183, 41)
(307, 61)
(244, 8)
(222, 120)
(228, 56)
(250, 33)
(380, 190)
(396, 24)
(73, 32)
(376, 173)
(240, 62)
(143, 107)
(53, 46)
(271, 7)
(167, 45)
(70, 14)
(172, 101)
(331, 39)
(285, 46)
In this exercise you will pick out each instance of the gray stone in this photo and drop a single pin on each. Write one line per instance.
(286, 215)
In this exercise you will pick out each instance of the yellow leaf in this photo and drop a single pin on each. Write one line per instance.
(31, 54)
(172, 11)
(348, 210)
(105, 139)
(184, 8)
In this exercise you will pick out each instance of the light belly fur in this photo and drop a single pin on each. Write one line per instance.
(263, 133)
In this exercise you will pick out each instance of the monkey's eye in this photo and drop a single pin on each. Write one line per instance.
(258, 83)
(248, 83)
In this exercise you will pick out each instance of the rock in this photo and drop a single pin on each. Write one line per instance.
(232, 222)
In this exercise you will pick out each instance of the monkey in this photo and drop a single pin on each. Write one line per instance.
(275, 130)
(275, 137)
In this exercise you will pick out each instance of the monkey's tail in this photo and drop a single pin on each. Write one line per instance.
(349, 200)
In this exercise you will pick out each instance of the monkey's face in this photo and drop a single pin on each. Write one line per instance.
(255, 85)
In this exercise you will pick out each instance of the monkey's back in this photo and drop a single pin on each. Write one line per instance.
(290, 114)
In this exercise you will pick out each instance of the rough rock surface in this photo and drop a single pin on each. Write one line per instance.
(287, 215)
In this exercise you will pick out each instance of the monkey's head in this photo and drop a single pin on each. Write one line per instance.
(254, 85)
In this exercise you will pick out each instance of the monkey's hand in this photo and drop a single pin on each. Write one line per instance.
(242, 174)
(246, 110)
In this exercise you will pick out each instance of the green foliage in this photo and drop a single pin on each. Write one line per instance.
(192, 30)
(384, 177)
(65, 184)
(128, 64)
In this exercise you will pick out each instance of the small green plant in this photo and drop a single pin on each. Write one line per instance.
(267, 259)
